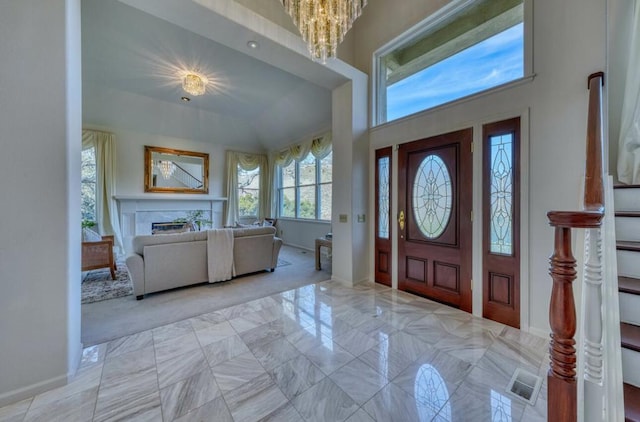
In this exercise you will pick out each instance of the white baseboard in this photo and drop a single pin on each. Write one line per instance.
(365, 280)
(538, 332)
(349, 283)
(297, 246)
(32, 390)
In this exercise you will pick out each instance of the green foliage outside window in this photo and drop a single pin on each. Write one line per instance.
(248, 204)
(88, 186)
(305, 189)
(248, 192)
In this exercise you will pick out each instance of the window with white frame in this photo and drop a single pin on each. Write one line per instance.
(467, 47)
(304, 188)
(248, 192)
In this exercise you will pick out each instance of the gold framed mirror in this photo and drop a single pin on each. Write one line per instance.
(175, 171)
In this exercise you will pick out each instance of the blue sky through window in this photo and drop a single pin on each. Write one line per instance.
(490, 63)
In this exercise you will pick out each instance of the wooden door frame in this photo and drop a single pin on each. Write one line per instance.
(464, 140)
(525, 294)
(495, 261)
(476, 122)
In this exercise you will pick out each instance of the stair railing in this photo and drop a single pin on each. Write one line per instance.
(186, 178)
(599, 369)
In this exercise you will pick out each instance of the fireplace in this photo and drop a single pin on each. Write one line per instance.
(169, 227)
(139, 212)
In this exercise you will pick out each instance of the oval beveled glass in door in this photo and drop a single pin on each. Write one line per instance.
(432, 196)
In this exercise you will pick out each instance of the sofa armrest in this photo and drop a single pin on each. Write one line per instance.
(277, 244)
(135, 265)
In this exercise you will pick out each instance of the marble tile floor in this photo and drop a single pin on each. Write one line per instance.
(324, 352)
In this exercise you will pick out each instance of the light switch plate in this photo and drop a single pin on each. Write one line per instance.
(343, 218)
(361, 218)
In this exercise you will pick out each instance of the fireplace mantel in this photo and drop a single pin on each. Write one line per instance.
(137, 212)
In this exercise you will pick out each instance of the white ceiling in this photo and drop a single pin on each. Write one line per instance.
(131, 66)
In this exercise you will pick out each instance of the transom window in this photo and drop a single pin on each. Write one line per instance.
(304, 189)
(468, 48)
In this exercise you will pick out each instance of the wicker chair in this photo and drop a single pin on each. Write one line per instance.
(99, 255)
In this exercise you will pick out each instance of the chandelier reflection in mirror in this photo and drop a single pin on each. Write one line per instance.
(166, 168)
(323, 23)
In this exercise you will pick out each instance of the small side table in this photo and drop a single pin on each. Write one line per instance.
(321, 241)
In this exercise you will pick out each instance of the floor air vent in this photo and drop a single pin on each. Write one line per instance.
(524, 385)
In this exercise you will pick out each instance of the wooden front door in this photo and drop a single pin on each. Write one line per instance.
(434, 218)
(501, 225)
(383, 217)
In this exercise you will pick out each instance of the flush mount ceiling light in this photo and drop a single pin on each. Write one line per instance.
(194, 84)
(253, 44)
(323, 23)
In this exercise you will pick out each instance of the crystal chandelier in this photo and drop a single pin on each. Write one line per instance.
(166, 168)
(193, 84)
(323, 23)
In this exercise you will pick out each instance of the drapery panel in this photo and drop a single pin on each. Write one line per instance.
(629, 142)
(246, 162)
(106, 207)
(319, 147)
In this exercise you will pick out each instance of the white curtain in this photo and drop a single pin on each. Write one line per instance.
(246, 162)
(106, 207)
(319, 147)
(629, 143)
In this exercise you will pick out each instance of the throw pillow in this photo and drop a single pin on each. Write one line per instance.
(89, 235)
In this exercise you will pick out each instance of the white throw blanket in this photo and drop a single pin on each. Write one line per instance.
(220, 254)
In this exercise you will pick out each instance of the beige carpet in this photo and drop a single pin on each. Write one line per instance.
(110, 319)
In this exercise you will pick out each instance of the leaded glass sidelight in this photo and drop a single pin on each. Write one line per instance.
(432, 196)
(383, 198)
(501, 217)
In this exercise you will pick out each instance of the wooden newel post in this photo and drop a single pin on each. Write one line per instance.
(562, 391)
(561, 378)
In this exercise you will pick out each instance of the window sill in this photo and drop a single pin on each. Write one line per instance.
(304, 220)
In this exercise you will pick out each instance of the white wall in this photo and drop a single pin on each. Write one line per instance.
(39, 179)
(130, 158)
(568, 45)
(350, 179)
(300, 233)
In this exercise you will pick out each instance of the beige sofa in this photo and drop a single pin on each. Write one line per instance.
(162, 262)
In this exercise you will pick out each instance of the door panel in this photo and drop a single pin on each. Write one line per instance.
(383, 227)
(501, 222)
(434, 228)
